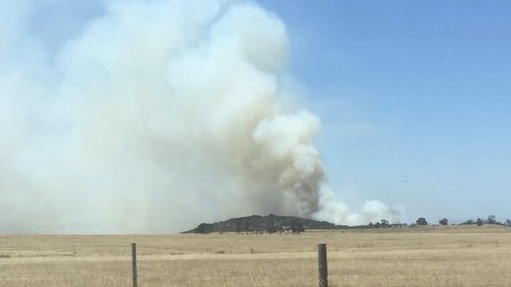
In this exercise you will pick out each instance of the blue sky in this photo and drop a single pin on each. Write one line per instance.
(414, 97)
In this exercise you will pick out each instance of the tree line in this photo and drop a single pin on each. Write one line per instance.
(422, 221)
(256, 224)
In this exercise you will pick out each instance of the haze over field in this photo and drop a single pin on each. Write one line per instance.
(153, 116)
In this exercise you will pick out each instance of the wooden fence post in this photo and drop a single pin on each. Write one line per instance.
(322, 263)
(134, 262)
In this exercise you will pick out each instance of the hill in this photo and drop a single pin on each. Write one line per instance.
(259, 224)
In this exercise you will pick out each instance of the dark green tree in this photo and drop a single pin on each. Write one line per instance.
(491, 219)
(443, 221)
(421, 221)
(204, 228)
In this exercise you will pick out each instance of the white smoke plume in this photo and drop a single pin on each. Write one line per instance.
(153, 117)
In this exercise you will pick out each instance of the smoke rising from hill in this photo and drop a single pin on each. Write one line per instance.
(153, 117)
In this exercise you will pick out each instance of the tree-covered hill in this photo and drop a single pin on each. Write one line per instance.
(259, 224)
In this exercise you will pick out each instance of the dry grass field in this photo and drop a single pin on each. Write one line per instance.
(451, 256)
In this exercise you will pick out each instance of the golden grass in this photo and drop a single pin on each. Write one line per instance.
(451, 256)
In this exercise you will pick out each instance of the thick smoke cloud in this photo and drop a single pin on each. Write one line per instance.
(154, 116)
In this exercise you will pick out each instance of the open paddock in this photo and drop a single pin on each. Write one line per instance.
(439, 256)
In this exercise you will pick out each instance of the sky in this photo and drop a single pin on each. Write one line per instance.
(413, 99)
